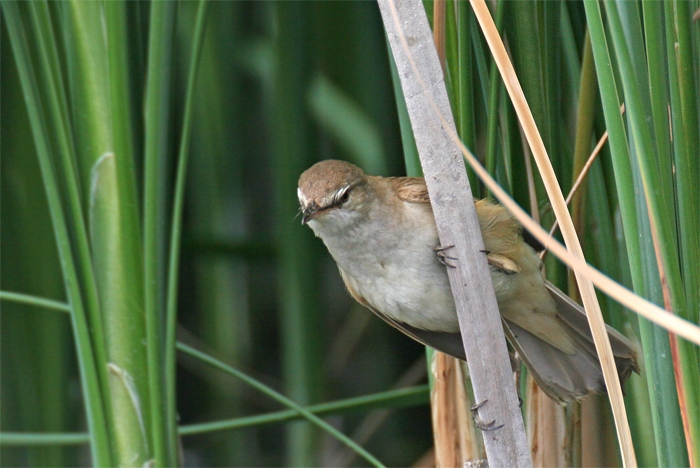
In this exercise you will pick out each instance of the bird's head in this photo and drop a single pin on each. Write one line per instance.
(332, 195)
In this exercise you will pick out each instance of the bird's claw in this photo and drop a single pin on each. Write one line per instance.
(480, 423)
(444, 258)
(483, 463)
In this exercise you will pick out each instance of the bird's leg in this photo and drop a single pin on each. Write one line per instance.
(480, 423)
(443, 257)
(483, 463)
(515, 367)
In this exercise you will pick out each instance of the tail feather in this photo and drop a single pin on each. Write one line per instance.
(573, 315)
(566, 377)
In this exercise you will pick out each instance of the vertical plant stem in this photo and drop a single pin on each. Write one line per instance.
(176, 225)
(410, 152)
(448, 436)
(108, 179)
(439, 30)
(155, 209)
(684, 124)
(584, 130)
(466, 75)
(51, 89)
(456, 219)
(495, 93)
(93, 394)
(292, 133)
(587, 99)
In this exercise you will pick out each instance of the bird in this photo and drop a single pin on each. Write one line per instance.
(381, 232)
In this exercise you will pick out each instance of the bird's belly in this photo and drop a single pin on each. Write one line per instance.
(415, 292)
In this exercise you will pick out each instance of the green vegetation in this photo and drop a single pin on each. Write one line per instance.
(150, 153)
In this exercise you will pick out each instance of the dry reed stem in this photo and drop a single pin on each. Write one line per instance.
(439, 31)
(445, 400)
(546, 424)
(596, 433)
(456, 440)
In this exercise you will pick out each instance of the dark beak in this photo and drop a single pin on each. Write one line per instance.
(308, 213)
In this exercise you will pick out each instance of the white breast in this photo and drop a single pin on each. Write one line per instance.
(398, 274)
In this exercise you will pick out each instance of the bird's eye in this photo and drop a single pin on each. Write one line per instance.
(342, 197)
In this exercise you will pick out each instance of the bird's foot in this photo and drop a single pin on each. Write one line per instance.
(483, 463)
(443, 257)
(480, 423)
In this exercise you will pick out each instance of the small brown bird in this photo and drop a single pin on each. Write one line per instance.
(382, 234)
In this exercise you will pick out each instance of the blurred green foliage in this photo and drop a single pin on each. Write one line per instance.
(281, 85)
(239, 216)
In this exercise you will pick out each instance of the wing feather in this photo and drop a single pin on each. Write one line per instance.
(410, 189)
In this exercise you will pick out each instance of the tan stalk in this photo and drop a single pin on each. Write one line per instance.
(453, 430)
(546, 424)
(530, 177)
(457, 225)
(439, 30)
(456, 440)
(588, 436)
(597, 435)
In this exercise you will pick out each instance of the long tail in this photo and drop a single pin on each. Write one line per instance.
(567, 377)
